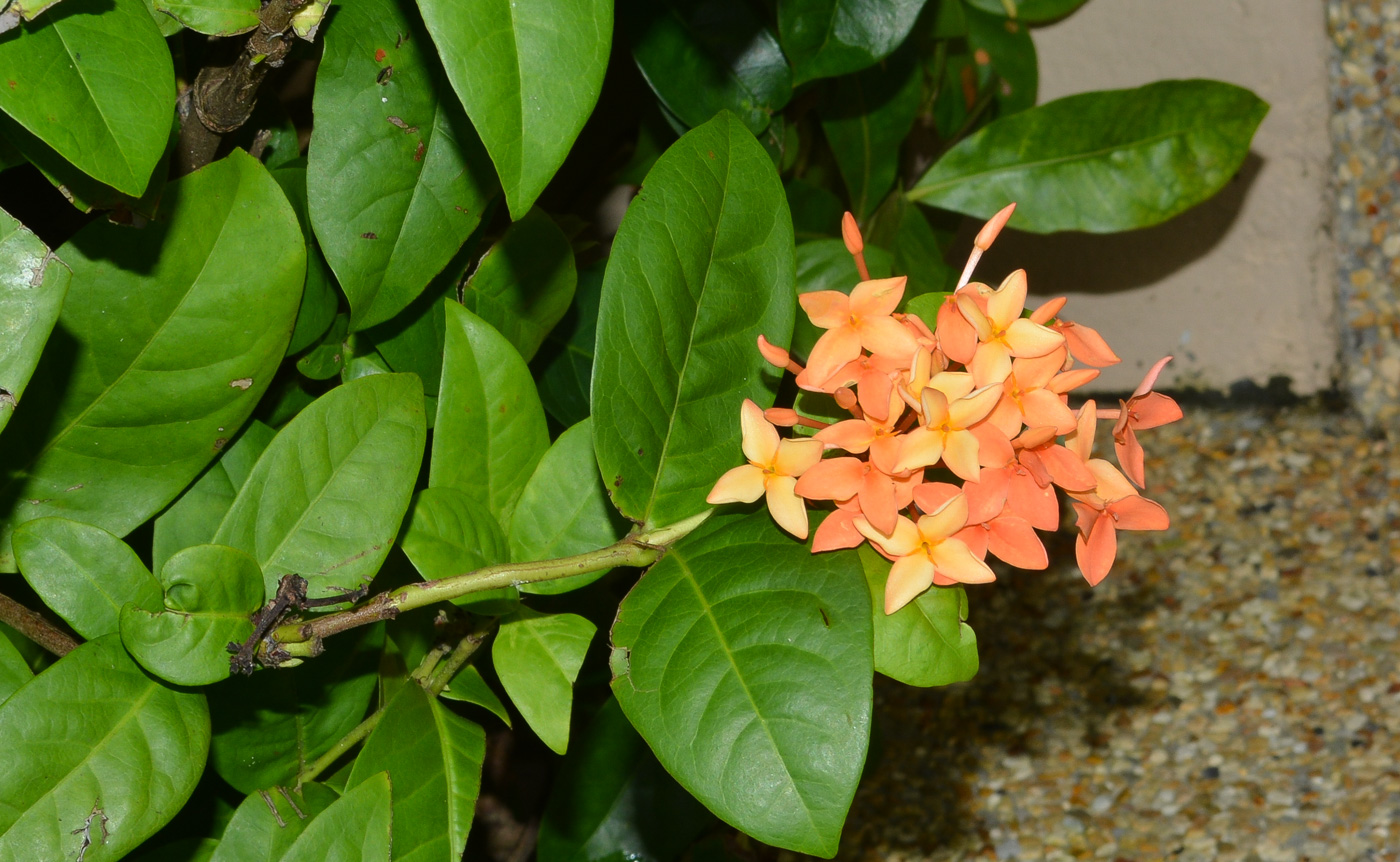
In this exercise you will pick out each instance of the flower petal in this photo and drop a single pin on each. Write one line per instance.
(827, 309)
(832, 479)
(852, 435)
(834, 349)
(956, 337)
(1011, 540)
(922, 447)
(1139, 513)
(991, 364)
(909, 576)
(1032, 339)
(1096, 552)
(944, 521)
(1043, 407)
(837, 532)
(1153, 410)
(1130, 456)
(796, 457)
(904, 540)
(960, 454)
(743, 484)
(760, 437)
(1034, 502)
(885, 336)
(955, 560)
(786, 507)
(877, 501)
(1005, 304)
(878, 297)
(932, 496)
(1087, 345)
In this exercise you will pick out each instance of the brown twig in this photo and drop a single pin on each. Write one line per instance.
(35, 627)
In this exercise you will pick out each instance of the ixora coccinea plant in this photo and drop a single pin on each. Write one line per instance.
(353, 482)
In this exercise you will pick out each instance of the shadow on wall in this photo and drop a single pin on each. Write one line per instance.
(1074, 262)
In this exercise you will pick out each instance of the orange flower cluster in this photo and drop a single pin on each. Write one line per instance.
(981, 398)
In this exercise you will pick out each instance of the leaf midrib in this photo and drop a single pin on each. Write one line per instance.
(97, 106)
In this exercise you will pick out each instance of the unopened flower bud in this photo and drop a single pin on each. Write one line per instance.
(988, 234)
(850, 232)
(785, 417)
(773, 354)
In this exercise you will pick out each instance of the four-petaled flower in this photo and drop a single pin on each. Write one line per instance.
(772, 471)
(926, 553)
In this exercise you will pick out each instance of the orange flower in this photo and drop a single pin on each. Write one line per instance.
(1114, 505)
(950, 409)
(772, 471)
(1084, 342)
(852, 322)
(1145, 409)
(879, 495)
(926, 553)
(1003, 333)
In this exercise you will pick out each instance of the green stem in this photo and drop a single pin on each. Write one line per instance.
(347, 742)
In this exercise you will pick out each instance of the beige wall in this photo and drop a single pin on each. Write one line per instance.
(1240, 288)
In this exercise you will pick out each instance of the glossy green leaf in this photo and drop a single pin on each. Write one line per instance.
(83, 573)
(267, 727)
(433, 758)
(32, 285)
(94, 741)
(397, 180)
(1011, 54)
(148, 368)
(319, 298)
(816, 212)
(537, 658)
(326, 358)
(354, 828)
(925, 307)
(564, 366)
(825, 264)
(865, 118)
(450, 533)
(469, 686)
(1029, 11)
(564, 510)
(164, 23)
(612, 800)
(702, 265)
(211, 592)
(525, 282)
(212, 17)
(705, 56)
(825, 38)
(97, 84)
(326, 497)
(490, 430)
(529, 73)
(15, 672)
(1100, 162)
(267, 824)
(194, 518)
(928, 641)
(745, 661)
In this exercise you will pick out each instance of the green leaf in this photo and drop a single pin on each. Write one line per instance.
(469, 686)
(354, 828)
(212, 17)
(149, 370)
(15, 672)
(326, 497)
(564, 367)
(267, 824)
(925, 643)
(865, 118)
(902, 227)
(97, 84)
(745, 662)
(525, 282)
(194, 518)
(32, 285)
(1011, 52)
(450, 533)
(612, 800)
(319, 298)
(164, 23)
(537, 658)
(1100, 162)
(326, 358)
(94, 741)
(564, 510)
(84, 573)
(267, 727)
(210, 594)
(825, 38)
(434, 758)
(1028, 11)
(825, 264)
(702, 265)
(529, 73)
(490, 430)
(397, 180)
(816, 212)
(705, 56)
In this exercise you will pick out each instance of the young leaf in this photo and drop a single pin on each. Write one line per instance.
(319, 298)
(95, 743)
(354, 828)
(326, 497)
(1100, 162)
(1010, 53)
(825, 264)
(125, 418)
(397, 180)
(745, 662)
(525, 282)
(84, 573)
(326, 359)
(865, 118)
(450, 533)
(469, 686)
(266, 824)
(825, 38)
(433, 757)
(612, 800)
(97, 84)
(194, 518)
(564, 510)
(529, 73)
(212, 17)
(564, 367)
(210, 594)
(705, 56)
(1029, 11)
(537, 658)
(32, 285)
(490, 430)
(702, 265)
(269, 726)
(925, 643)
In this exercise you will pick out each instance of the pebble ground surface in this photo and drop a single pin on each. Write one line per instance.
(1230, 692)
